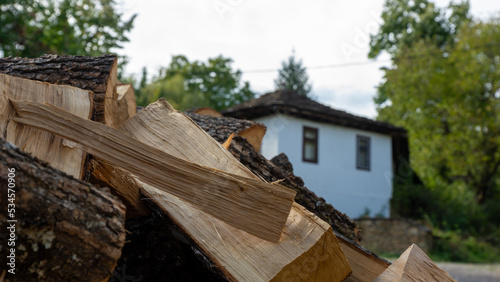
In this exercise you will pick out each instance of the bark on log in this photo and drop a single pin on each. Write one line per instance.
(66, 230)
(263, 168)
(97, 74)
(156, 250)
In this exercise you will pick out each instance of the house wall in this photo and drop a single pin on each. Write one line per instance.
(335, 176)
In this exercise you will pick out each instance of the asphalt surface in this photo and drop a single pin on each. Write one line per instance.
(468, 272)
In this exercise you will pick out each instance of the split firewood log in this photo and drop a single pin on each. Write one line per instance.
(60, 153)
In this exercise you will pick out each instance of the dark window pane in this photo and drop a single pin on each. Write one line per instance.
(363, 153)
(310, 145)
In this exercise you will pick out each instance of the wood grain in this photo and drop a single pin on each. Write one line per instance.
(43, 145)
(365, 265)
(414, 265)
(307, 250)
(256, 207)
(126, 99)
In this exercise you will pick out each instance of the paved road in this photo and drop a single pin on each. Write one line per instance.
(467, 272)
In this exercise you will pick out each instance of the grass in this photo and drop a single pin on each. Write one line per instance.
(452, 246)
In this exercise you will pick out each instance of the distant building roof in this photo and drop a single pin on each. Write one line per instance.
(290, 103)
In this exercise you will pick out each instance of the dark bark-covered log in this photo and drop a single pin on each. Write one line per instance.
(66, 230)
(97, 74)
(157, 250)
(260, 166)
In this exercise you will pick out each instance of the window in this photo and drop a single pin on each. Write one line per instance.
(363, 152)
(310, 145)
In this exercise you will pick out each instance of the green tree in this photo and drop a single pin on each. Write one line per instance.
(444, 88)
(198, 84)
(406, 22)
(174, 91)
(293, 76)
(30, 28)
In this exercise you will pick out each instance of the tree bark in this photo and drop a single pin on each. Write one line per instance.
(66, 230)
(97, 74)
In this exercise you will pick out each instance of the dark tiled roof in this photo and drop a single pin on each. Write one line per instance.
(220, 128)
(290, 103)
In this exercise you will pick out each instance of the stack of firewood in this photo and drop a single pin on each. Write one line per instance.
(88, 167)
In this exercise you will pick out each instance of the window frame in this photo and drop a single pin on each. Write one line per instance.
(305, 140)
(360, 138)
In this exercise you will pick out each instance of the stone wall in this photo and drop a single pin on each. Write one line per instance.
(390, 235)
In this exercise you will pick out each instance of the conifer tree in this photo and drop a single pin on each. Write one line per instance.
(293, 76)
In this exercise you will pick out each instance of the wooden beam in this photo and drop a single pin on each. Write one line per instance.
(414, 265)
(55, 150)
(256, 207)
(307, 250)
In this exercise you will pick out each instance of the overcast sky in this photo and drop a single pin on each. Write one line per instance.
(330, 36)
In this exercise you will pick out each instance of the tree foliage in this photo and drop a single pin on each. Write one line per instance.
(407, 21)
(198, 84)
(30, 28)
(444, 87)
(293, 76)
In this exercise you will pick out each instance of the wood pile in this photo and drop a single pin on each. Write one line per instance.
(196, 205)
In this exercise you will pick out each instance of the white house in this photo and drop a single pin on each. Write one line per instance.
(348, 160)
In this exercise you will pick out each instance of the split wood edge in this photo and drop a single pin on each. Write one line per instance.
(60, 153)
(248, 204)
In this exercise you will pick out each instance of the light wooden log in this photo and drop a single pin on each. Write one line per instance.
(123, 184)
(122, 107)
(365, 265)
(254, 135)
(206, 111)
(256, 207)
(111, 118)
(414, 265)
(61, 154)
(307, 250)
(126, 99)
